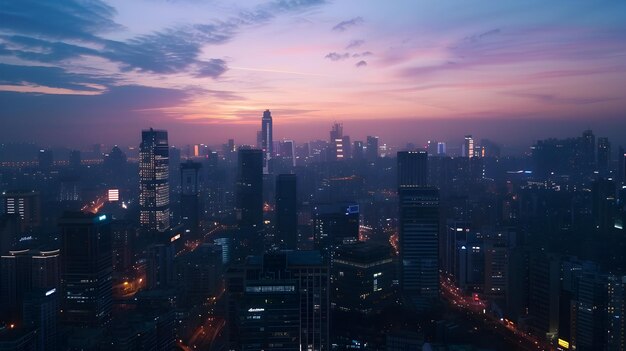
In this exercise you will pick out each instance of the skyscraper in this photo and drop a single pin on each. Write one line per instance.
(189, 197)
(26, 204)
(87, 267)
(372, 148)
(286, 211)
(412, 168)
(279, 301)
(337, 142)
(418, 229)
(249, 187)
(154, 195)
(604, 155)
(267, 139)
(468, 147)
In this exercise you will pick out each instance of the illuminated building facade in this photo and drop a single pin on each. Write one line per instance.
(154, 195)
(26, 204)
(468, 147)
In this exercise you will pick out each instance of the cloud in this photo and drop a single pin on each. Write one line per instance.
(361, 63)
(334, 56)
(344, 25)
(212, 68)
(557, 99)
(41, 31)
(355, 44)
(363, 54)
(73, 19)
(53, 77)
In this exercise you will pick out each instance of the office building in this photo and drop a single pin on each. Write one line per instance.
(154, 195)
(286, 211)
(189, 196)
(279, 301)
(87, 266)
(371, 153)
(26, 204)
(335, 224)
(46, 159)
(412, 168)
(418, 230)
(249, 188)
(362, 277)
(468, 147)
(603, 155)
(267, 139)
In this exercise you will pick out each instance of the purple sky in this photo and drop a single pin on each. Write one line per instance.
(80, 72)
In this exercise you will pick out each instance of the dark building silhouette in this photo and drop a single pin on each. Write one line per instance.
(249, 188)
(189, 196)
(335, 224)
(26, 204)
(279, 301)
(286, 211)
(604, 155)
(46, 159)
(267, 139)
(154, 195)
(603, 207)
(87, 266)
(372, 148)
(418, 229)
(75, 160)
(412, 168)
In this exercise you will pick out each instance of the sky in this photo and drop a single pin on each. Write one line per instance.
(78, 72)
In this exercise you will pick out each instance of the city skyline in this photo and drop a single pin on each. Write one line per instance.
(201, 70)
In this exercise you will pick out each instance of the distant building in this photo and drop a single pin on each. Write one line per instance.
(468, 147)
(190, 196)
(371, 148)
(267, 139)
(154, 195)
(46, 159)
(249, 188)
(286, 211)
(335, 224)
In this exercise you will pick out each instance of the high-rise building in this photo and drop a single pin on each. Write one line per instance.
(46, 159)
(189, 196)
(441, 148)
(267, 139)
(154, 195)
(249, 187)
(603, 207)
(286, 211)
(372, 148)
(23, 271)
(358, 151)
(335, 224)
(468, 147)
(26, 204)
(604, 155)
(412, 168)
(337, 147)
(362, 276)
(40, 311)
(279, 301)
(75, 159)
(418, 230)
(87, 267)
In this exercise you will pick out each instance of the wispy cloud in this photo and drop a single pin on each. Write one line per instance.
(361, 63)
(345, 25)
(334, 56)
(353, 44)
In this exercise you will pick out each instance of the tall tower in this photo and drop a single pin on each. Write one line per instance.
(249, 187)
(154, 191)
(286, 211)
(418, 229)
(372, 148)
(267, 139)
(468, 147)
(337, 142)
(87, 268)
(189, 197)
